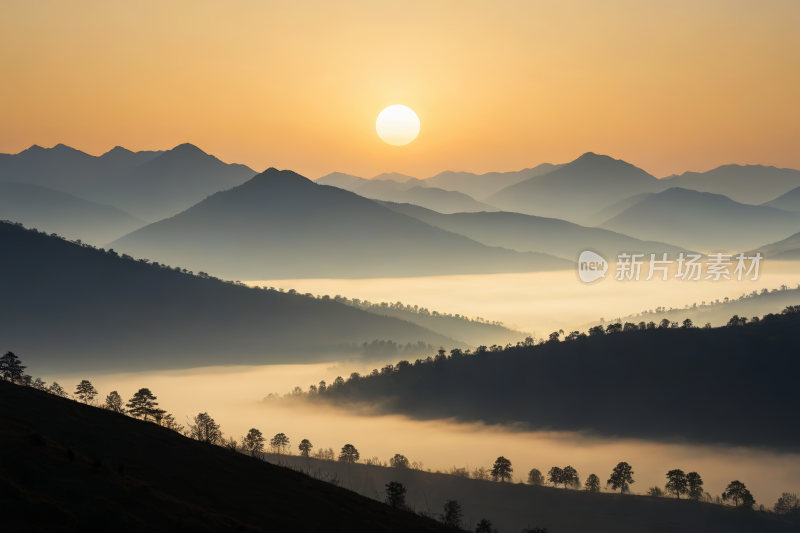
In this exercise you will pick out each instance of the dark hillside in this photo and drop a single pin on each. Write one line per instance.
(733, 385)
(168, 482)
(68, 307)
(512, 506)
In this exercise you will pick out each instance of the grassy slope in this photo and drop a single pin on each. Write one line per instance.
(512, 506)
(170, 483)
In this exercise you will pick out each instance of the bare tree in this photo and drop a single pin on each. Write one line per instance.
(205, 429)
(788, 503)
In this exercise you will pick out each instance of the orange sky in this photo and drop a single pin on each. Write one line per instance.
(499, 85)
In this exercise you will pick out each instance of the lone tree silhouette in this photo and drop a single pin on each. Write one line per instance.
(279, 442)
(142, 404)
(399, 461)
(85, 391)
(695, 483)
(349, 454)
(395, 494)
(592, 483)
(484, 526)
(502, 469)
(11, 368)
(452, 515)
(677, 483)
(114, 402)
(738, 492)
(535, 477)
(305, 447)
(205, 429)
(555, 476)
(621, 478)
(253, 442)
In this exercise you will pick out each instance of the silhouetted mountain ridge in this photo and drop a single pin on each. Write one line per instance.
(280, 225)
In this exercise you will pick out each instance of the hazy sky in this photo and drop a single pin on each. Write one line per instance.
(499, 85)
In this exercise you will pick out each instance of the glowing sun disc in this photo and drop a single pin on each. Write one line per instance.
(397, 125)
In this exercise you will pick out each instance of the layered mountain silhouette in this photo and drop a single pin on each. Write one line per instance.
(703, 221)
(577, 190)
(789, 201)
(280, 225)
(69, 307)
(341, 180)
(747, 184)
(427, 197)
(480, 186)
(526, 233)
(787, 249)
(148, 185)
(69, 170)
(615, 209)
(396, 176)
(170, 183)
(69, 216)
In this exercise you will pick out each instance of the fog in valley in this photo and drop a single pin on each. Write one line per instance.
(233, 397)
(541, 302)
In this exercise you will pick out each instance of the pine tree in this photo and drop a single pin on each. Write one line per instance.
(305, 447)
(677, 483)
(592, 483)
(395, 494)
(85, 391)
(142, 404)
(279, 442)
(621, 477)
(349, 454)
(502, 469)
(114, 402)
(11, 368)
(253, 442)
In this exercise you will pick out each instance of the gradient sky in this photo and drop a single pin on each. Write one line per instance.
(669, 86)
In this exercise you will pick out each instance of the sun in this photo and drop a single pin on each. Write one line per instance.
(397, 125)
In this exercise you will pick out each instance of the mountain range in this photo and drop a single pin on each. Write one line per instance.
(280, 225)
(577, 190)
(69, 216)
(527, 233)
(703, 221)
(746, 184)
(76, 308)
(148, 185)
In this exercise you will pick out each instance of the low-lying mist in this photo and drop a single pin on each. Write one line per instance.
(232, 396)
(541, 302)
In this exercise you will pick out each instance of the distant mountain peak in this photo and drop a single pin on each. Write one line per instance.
(187, 148)
(118, 150)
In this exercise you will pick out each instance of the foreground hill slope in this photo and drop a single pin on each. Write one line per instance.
(280, 225)
(127, 475)
(73, 308)
(635, 384)
(511, 506)
(746, 184)
(577, 190)
(69, 216)
(531, 233)
(703, 221)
